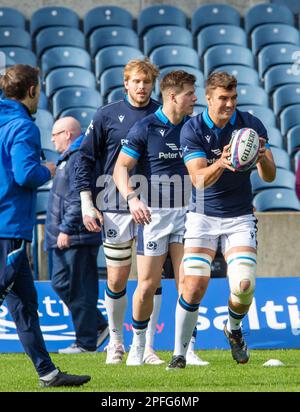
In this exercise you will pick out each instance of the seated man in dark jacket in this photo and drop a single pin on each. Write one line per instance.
(75, 250)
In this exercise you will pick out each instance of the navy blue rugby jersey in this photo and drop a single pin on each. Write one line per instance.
(231, 194)
(155, 143)
(104, 138)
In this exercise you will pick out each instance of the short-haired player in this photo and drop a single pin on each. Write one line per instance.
(153, 146)
(226, 213)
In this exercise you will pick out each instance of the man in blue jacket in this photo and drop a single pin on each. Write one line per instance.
(74, 248)
(20, 175)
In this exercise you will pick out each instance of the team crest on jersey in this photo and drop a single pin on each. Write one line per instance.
(121, 117)
(207, 137)
(162, 132)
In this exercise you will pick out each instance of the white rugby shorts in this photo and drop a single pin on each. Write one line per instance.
(166, 226)
(204, 231)
(118, 228)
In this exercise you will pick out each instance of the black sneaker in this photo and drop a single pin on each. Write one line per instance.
(177, 362)
(239, 348)
(64, 379)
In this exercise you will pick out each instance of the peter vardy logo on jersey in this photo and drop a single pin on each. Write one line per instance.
(176, 152)
(121, 117)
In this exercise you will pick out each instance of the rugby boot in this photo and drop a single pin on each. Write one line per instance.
(238, 346)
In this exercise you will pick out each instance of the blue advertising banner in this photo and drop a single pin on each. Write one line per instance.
(273, 321)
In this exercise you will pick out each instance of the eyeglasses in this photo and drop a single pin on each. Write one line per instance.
(56, 134)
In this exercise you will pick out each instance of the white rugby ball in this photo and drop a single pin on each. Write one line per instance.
(244, 149)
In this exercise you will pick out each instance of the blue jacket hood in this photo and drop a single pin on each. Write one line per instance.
(11, 109)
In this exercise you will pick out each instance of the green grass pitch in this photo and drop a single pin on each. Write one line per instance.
(222, 375)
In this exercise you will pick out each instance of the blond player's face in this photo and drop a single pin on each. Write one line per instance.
(139, 88)
(221, 103)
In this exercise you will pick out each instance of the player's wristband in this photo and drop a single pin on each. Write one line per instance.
(130, 196)
(87, 206)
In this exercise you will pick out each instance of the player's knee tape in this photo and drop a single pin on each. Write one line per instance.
(118, 255)
(197, 264)
(241, 267)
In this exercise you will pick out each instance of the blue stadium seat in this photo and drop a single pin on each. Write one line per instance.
(53, 16)
(276, 54)
(46, 135)
(220, 34)
(215, 13)
(281, 158)
(296, 160)
(106, 16)
(201, 97)
(244, 74)
(83, 115)
(252, 95)
(20, 55)
(198, 109)
(14, 36)
(65, 56)
(284, 179)
(275, 137)
(268, 34)
(285, 96)
(5, 61)
(267, 13)
(192, 70)
(280, 75)
(11, 17)
(115, 56)
(160, 15)
(279, 199)
(166, 35)
(44, 119)
(265, 114)
(67, 77)
(293, 140)
(112, 36)
(226, 55)
(174, 55)
(289, 118)
(293, 5)
(111, 79)
(43, 101)
(116, 94)
(58, 36)
(71, 97)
